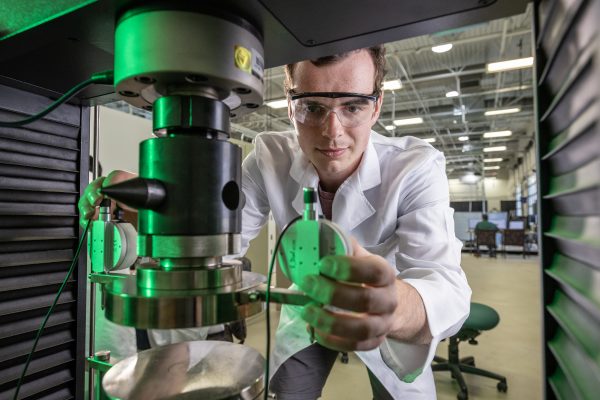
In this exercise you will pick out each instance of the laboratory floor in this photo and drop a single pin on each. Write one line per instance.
(511, 285)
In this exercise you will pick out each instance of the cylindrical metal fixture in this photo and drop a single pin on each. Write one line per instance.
(159, 51)
(203, 115)
(201, 177)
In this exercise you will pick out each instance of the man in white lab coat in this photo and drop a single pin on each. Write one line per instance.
(391, 195)
(407, 289)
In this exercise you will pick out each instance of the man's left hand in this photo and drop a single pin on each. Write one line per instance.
(364, 286)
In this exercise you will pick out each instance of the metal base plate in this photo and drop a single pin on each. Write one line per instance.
(206, 370)
(130, 305)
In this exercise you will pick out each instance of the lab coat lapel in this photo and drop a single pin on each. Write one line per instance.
(350, 205)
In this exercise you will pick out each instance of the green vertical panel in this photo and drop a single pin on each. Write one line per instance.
(561, 386)
(568, 135)
(582, 372)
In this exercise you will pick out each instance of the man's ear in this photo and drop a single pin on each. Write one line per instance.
(378, 105)
(290, 110)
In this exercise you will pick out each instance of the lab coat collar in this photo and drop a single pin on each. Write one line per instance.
(350, 206)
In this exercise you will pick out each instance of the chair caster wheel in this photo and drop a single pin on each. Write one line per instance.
(502, 386)
(344, 358)
(462, 396)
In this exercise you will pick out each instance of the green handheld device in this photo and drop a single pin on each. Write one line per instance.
(308, 240)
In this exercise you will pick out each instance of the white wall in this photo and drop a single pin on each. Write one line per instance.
(120, 137)
(493, 189)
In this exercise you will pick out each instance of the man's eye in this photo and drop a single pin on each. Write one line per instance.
(314, 108)
(353, 109)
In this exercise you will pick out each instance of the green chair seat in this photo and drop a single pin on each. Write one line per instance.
(481, 318)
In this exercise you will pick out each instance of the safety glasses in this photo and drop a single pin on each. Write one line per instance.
(313, 108)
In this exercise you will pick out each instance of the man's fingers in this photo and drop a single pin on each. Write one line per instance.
(357, 298)
(92, 197)
(351, 326)
(89, 200)
(344, 344)
(371, 269)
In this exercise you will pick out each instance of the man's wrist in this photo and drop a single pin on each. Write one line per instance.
(410, 318)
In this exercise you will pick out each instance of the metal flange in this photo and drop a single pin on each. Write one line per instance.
(128, 304)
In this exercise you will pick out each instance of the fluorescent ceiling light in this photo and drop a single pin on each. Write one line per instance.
(442, 48)
(408, 121)
(492, 160)
(277, 103)
(452, 93)
(392, 85)
(491, 149)
(463, 138)
(430, 140)
(502, 111)
(389, 127)
(492, 167)
(497, 134)
(510, 64)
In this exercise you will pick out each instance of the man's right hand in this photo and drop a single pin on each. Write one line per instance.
(91, 198)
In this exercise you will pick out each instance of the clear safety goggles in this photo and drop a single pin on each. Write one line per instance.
(351, 109)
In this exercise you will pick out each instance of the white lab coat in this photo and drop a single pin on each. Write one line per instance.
(396, 205)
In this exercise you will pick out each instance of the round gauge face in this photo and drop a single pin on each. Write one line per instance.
(304, 244)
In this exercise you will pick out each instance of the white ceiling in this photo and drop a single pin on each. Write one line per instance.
(426, 78)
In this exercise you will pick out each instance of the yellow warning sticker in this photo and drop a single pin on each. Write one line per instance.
(243, 59)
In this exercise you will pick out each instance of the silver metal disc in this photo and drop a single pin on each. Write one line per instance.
(207, 370)
(128, 304)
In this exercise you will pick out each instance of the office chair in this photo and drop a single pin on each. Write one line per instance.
(485, 238)
(514, 237)
(481, 318)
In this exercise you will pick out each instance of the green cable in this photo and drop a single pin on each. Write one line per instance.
(50, 310)
(98, 78)
(267, 300)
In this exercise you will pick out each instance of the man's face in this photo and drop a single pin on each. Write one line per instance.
(335, 150)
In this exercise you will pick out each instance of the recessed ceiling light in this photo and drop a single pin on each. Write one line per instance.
(463, 138)
(392, 85)
(491, 149)
(509, 64)
(502, 111)
(389, 127)
(497, 134)
(408, 121)
(277, 103)
(452, 93)
(492, 167)
(442, 48)
(492, 160)
(430, 140)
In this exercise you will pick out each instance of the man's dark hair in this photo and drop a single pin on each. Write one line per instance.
(377, 54)
(485, 217)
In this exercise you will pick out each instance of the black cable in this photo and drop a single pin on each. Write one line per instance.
(105, 77)
(51, 309)
(267, 299)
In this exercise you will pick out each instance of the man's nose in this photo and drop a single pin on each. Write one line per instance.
(333, 126)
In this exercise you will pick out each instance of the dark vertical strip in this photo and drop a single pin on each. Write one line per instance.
(80, 355)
